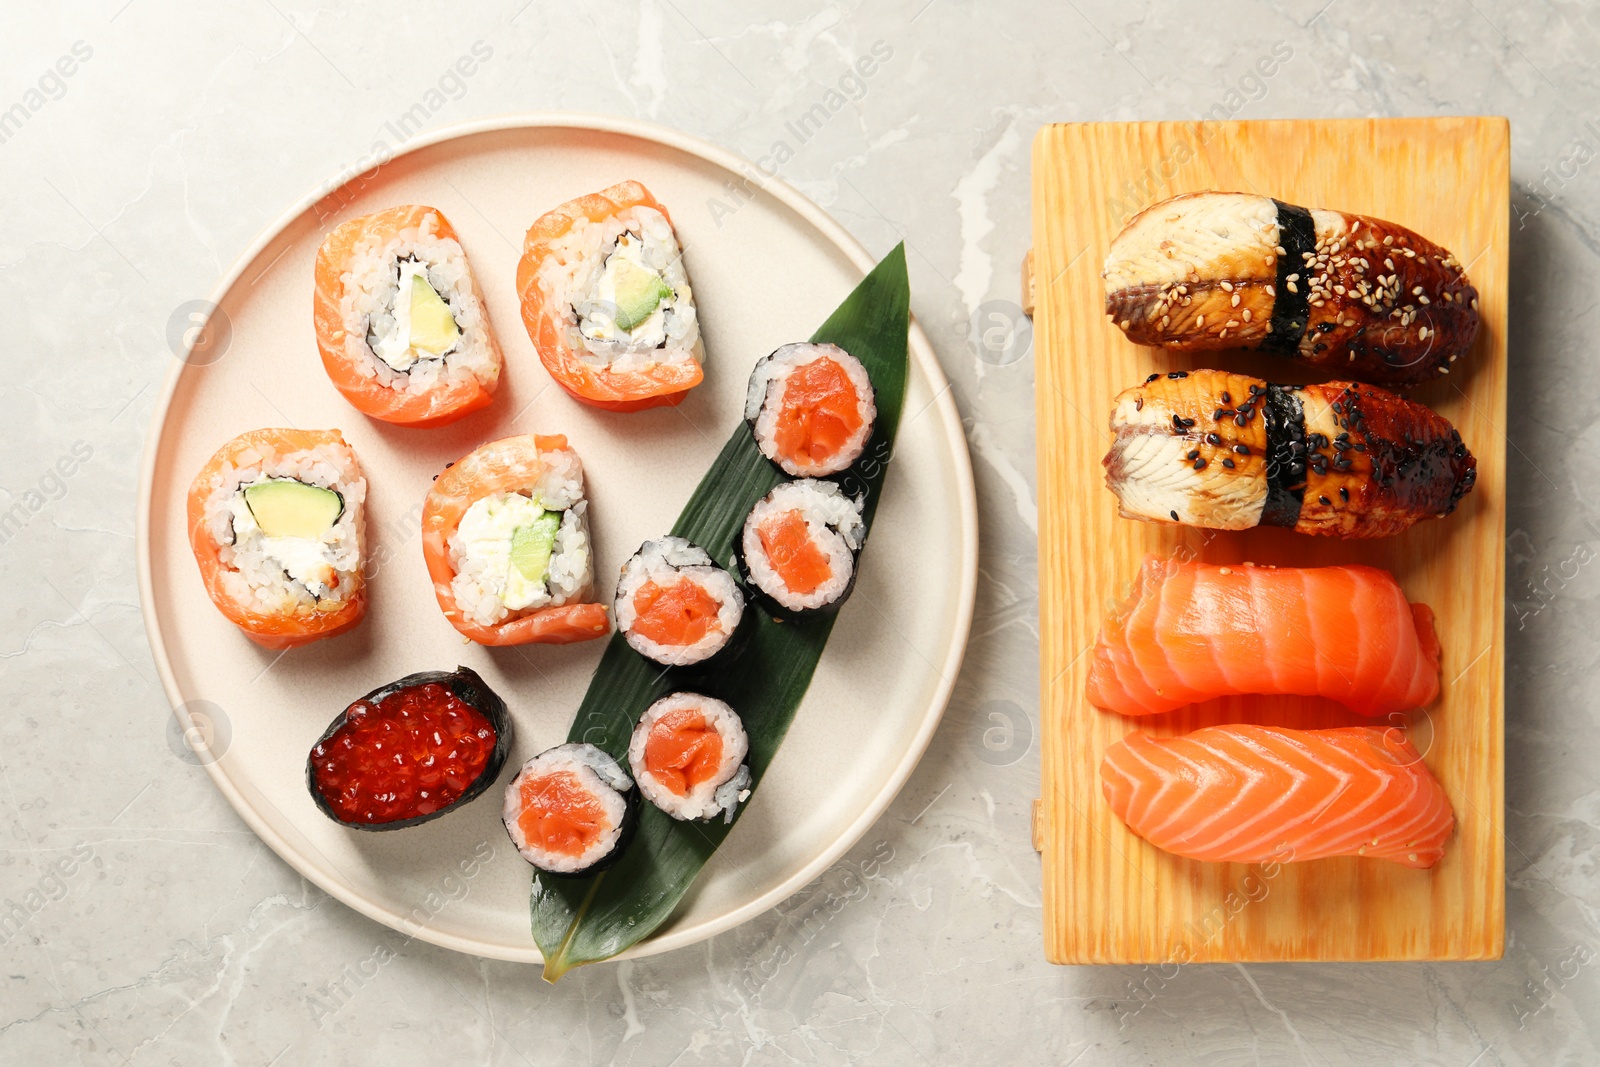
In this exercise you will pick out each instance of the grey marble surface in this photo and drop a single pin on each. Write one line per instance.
(144, 923)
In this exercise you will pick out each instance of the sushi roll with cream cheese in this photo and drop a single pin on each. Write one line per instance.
(607, 301)
(687, 754)
(799, 545)
(506, 537)
(571, 810)
(401, 325)
(277, 524)
(674, 605)
(811, 409)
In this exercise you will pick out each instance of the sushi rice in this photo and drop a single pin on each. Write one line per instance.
(488, 588)
(582, 271)
(377, 320)
(288, 575)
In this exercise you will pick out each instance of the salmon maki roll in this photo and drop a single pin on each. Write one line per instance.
(403, 330)
(1193, 631)
(687, 755)
(797, 551)
(811, 408)
(277, 523)
(675, 606)
(607, 301)
(1255, 794)
(506, 537)
(571, 810)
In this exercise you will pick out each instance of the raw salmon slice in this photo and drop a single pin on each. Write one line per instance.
(1193, 631)
(1255, 794)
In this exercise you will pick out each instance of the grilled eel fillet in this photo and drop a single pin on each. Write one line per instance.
(1228, 452)
(1357, 296)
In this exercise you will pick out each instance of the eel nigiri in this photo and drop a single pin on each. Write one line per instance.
(1255, 794)
(505, 533)
(401, 323)
(1193, 631)
(1228, 452)
(1348, 293)
(607, 301)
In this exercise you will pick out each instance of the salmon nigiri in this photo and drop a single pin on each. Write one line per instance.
(1254, 794)
(1193, 631)
(505, 532)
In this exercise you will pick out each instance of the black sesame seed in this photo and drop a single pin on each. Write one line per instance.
(1152, 378)
(1194, 453)
(1213, 439)
(1228, 463)
(1138, 403)
(1243, 450)
(1324, 501)
(1178, 374)
(1199, 464)
(1241, 419)
(1344, 494)
(1174, 515)
(1177, 422)
(1226, 399)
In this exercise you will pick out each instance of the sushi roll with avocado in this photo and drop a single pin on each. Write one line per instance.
(675, 606)
(811, 409)
(687, 754)
(607, 301)
(799, 545)
(505, 534)
(571, 810)
(401, 325)
(277, 525)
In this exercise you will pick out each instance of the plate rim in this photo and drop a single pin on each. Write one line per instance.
(922, 356)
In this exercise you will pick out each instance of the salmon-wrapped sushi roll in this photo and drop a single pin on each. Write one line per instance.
(506, 536)
(607, 302)
(277, 523)
(402, 327)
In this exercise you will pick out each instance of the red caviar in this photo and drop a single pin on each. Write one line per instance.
(405, 756)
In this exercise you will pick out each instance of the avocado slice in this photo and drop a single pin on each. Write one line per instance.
(284, 507)
(639, 290)
(531, 546)
(433, 328)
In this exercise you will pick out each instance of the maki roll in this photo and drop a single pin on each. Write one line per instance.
(674, 605)
(505, 533)
(410, 751)
(687, 754)
(277, 524)
(401, 325)
(607, 301)
(811, 409)
(571, 810)
(799, 545)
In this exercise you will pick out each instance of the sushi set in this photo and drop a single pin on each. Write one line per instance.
(456, 475)
(1273, 648)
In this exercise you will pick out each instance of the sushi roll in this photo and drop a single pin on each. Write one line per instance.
(607, 301)
(811, 409)
(675, 606)
(506, 537)
(410, 751)
(687, 754)
(799, 545)
(571, 810)
(277, 524)
(403, 330)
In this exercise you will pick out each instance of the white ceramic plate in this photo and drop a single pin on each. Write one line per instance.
(768, 266)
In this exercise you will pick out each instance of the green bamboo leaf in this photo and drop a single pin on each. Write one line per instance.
(583, 920)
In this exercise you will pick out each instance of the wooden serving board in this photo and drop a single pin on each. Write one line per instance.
(1109, 897)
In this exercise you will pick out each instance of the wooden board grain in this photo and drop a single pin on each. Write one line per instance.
(1110, 897)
